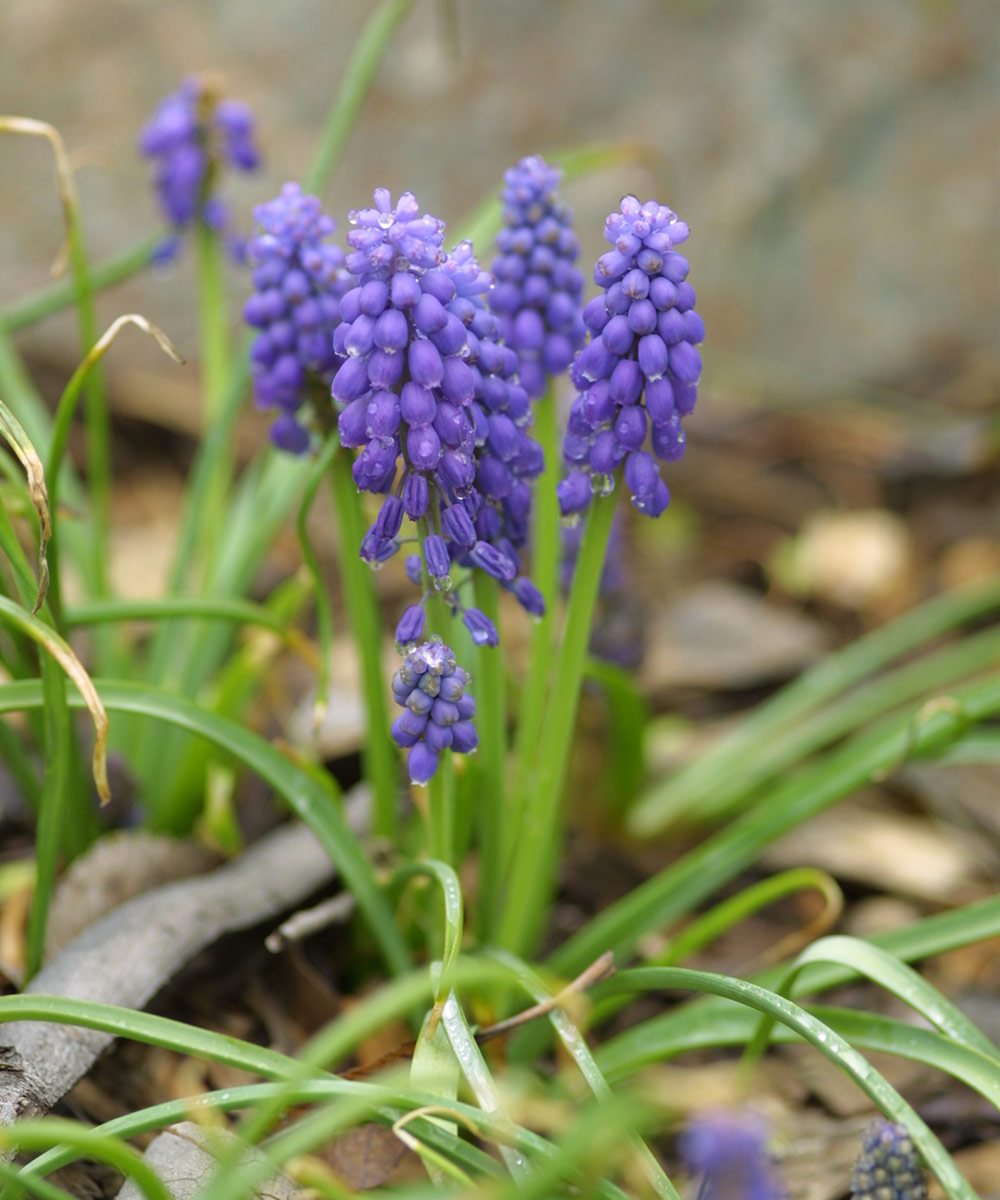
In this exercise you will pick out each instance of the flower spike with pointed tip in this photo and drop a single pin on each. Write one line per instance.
(538, 294)
(426, 380)
(298, 277)
(437, 714)
(888, 1167)
(638, 376)
(191, 136)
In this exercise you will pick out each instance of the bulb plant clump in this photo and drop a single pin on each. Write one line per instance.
(471, 429)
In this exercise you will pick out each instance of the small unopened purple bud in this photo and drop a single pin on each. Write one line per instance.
(287, 434)
(529, 597)
(436, 556)
(573, 493)
(390, 517)
(411, 625)
(422, 763)
(423, 447)
(414, 567)
(425, 364)
(457, 524)
(464, 738)
(492, 561)
(352, 424)
(652, 356)
(416, 496)
(484, 632)
(660, 400)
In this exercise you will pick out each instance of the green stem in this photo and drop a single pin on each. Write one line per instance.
(441, 813)
(97, 418)
(532, 868)
(212, 320)
(546, 545)
(56, 296)
(354, 86)
(54, 808)
(491, 723)
(362, 610)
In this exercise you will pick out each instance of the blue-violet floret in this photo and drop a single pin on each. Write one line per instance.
(538, 293)
(638, 375)
(437, 714)
(298, 278)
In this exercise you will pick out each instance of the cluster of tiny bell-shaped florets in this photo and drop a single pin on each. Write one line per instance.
(888, 1167)
(429, 394)
(638, 376)
(729, 1150)
(192, 134)
(437, 714)
(298, 277)
(538, 293)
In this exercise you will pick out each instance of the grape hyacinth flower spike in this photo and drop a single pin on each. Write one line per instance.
(729, 1150)
(437, 714)
(298, 278)
(638, 375)
(887, 1167)
(538, 293)
(426, 385)
(192, 136)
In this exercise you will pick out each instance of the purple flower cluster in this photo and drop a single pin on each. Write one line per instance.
(192, 134)
(437, 710)
(298, 278)
(538, 291)
(426, 379)
(638, 375)
(888, 1167)
(730, 1150)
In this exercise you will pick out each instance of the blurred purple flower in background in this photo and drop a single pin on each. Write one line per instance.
(730, 1151)
(193, 134)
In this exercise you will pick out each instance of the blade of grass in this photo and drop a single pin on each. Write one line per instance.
(303, 794)
(829, 1043)
(724, 1024)
(970, 655)
(714, 770)
(43, 1133)
(891, 973)
(698, 874)
(164, 608)
(54, 297)
(577, 1048)
(531, 876)
(321, 598)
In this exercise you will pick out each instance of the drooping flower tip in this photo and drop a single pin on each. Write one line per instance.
(730, 1151)
(193, 133)
(888, 1167)
(298, 279)
(538, 290)
(638, 375)
(437, 710)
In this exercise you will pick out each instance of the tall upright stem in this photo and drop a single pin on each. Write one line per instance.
(537, 837)
(546, 546)
(362, 609)
(493, 802)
